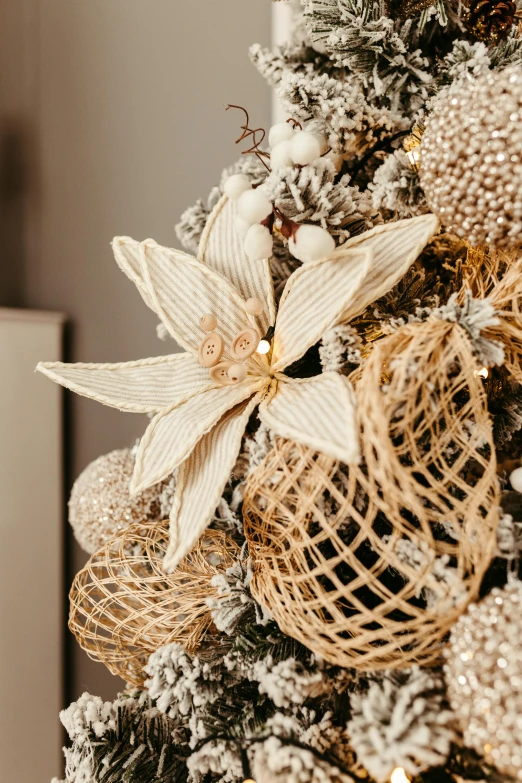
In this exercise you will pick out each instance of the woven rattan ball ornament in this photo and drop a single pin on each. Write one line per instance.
(484, 677)
(123, 606)
(471, 158)
(101, 505)
(370, 566)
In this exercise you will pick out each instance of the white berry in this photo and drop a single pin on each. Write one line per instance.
(258, 243)
(253, 206)
(280, 157)
(241, 226)
(283, 131)
(516, 479)
(306, 147)
(236, 185)
(311, 243)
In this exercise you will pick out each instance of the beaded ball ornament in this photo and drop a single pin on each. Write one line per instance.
(101, 504)
(484, 676)
(471, 158)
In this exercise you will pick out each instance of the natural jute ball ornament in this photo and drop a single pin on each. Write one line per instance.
(471, 158)
(123, 606)
(369, 566)
(101, 505)
(484, 677)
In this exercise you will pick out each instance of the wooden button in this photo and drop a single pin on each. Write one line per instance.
(208, 322)
(219, 374)
(237, 373)
(211, 350)
(246, 343)
(254, 306)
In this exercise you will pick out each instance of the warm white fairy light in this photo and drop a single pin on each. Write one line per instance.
(399, 776)
(482, 373)
(414, 157)
(263, 347)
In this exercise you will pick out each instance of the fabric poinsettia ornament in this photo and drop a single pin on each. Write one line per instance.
(201, 410)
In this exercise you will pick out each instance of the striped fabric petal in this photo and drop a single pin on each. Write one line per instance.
(127, 253)
(222, 248)
(180, 290)
(201, 481)
(314, 298)
(173, 433)
(145, 386)
(317, 412)
(395, 247)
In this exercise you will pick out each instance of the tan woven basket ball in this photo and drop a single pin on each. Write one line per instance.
(369, 566)
(123, 606)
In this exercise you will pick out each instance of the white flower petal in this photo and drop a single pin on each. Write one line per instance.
(395, 247)
(180, 289)
(173, 433)
(317, 412)
(202, 479)
(314, 298)
(144, 386)
(222, 248)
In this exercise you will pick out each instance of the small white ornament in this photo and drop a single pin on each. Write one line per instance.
(516, 479)
(282, 131)
(236, 185)
(311, 243)
(281, 156)
(307, 147)
(253, 206)
(258, 243)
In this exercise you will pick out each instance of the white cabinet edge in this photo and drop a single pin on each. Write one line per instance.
(31, 316)
(31, 555)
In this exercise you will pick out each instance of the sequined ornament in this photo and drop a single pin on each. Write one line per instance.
(471, 158)
(484, 675)
(101, 505)
(490, 20)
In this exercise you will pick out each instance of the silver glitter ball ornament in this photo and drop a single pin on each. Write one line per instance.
(484, 676)
(101, 505)
(471, 158)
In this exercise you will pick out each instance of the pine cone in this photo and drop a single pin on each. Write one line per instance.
(490, 20)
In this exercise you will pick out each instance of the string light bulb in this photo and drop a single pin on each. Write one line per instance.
(249, 780)
(399, 776)
(482, 373)
(412, 146)
(263, 347)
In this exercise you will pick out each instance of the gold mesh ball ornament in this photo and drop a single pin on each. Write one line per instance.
(370, 566)
(101, 505)
(123, 606)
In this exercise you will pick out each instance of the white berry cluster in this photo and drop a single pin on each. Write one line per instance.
(290, 147)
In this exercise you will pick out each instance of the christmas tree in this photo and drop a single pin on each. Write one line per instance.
(308, 569)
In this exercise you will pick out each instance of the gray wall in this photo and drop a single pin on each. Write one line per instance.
(111, 122)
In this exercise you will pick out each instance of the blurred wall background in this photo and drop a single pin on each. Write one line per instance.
(111, 122)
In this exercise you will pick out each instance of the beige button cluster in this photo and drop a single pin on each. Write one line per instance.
(211, 350)
(212, 347)
(219, 373)
(245, 343)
